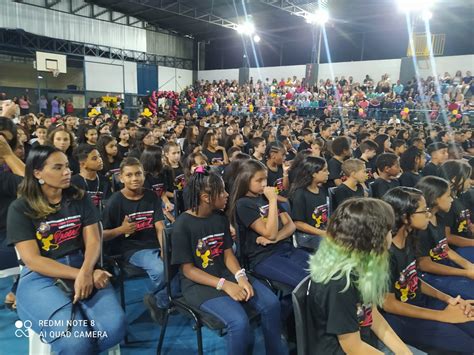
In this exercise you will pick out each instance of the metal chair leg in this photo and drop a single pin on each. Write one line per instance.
(162, 333)
(199, 338)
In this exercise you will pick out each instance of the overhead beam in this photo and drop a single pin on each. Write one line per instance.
(287, 6)
(184, 10)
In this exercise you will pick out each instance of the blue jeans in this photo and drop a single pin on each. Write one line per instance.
(433, 334)
(49, 310)
(239, 334)
(452, 285)
(287, 265)
(467, 253)
(150, 261)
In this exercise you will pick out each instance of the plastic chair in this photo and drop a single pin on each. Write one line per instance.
(199, 317)
(299, 296)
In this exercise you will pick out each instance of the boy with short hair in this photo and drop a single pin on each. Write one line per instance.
(89, 179)
(399, 146)
(307, 139)
(356, 174)
(41, 133)
(341, 147)
(388, 169)
(439, 154)
(368, 150)
(133, 224)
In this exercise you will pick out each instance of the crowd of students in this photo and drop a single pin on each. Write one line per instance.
(380, 215)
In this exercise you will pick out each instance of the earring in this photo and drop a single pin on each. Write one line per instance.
(41, 181)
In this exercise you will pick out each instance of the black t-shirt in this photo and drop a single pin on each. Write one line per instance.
(381, 186)
(343, 192)
(370, 169)
(214, 158)
(157, 184)
(145, 212)
(201, 242)
(175, 178)
(275, 178)
(310, 208)
(404, 281)
(458, 219)
(122, 151)
(432, 241)
(431, 169)
(333, 312)
(8, 188)
(98, 189)
(335, 171)
(409, 179)
(58, 234)
(249, 209)
(303, 146)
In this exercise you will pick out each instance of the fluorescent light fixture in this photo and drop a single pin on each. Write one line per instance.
(415, 5)
(256, 38)
(320, 17)
(427, 15)
(40, 77)
(246, 28)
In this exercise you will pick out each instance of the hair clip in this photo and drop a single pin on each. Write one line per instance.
(201, 170)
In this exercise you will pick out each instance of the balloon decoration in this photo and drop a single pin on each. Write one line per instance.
(171, 100)
(406, 110)
(362, 113)
(455, 112)
(146, 112)
(93, 113)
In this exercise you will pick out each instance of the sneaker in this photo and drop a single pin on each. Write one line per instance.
(156, 313)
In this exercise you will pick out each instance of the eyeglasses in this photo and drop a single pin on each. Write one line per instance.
(427, 212)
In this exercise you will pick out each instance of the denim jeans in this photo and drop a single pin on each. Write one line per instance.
(433, 334)
(99, 321)
(452, 285)
(287, 265)
(150, 261)
(239, 334)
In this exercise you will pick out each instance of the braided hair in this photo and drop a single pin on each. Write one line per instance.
(202, 181)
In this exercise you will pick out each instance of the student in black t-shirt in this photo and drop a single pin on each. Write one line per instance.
(439, 154)
(307, 135)
(259, 147)
(420, 314)
(388, 169)
(212, 278)
(133, 226)
(87, 134)
(53, 226)
(123, 145)
(216, 155)
(264, 229)
(368, 150)
(173, 168)
(459, 227)
(107, 147)
(442, 266)
(341, 148)
(12, 170)
(354, 186)
(89, 180)
(62, 139)
(411, 162)
(309, 201)
(348, 274)
(277, 169)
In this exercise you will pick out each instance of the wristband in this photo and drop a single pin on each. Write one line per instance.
(239, 274)
(220, 284)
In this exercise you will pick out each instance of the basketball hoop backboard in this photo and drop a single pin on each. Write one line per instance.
(51, 62)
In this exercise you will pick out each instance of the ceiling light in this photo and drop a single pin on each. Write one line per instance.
(256, 38)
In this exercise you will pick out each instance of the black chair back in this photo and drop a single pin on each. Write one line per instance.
(331, 201)
(178, 200)
(299, 296)
(169, 270)
(371, 189)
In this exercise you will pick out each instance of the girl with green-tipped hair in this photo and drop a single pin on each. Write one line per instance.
(349, 275)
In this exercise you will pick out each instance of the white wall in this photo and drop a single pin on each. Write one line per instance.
(107, 75)
(277, 72)
(218, 74)
(173, 79)
(447, 64)
(358, 70)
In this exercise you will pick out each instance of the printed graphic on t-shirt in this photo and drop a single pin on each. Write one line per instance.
(210, 247)
(264, 211)
(320, 216)
(279, 185)
(464, 221)
(216, 161)
(440, 251)
(96, 197)
(179, 182)
(364, 315)
(407, 283)
(52, 234)
(112, 172)
(158, 189)
(143, 220)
